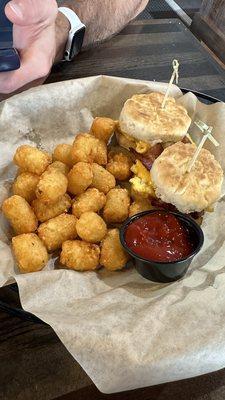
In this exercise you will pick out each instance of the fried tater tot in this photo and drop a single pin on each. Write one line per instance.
(102, 179)
(30, 253)
(80, 177)
(60, 166)
(25, 185)
(52, 186)
(80, 256)
(44, 211)
(31, 159)
(119, 165)
(62, 153)
(88, 148)
(20, 214)
(103, 128)
(91, 200)
(139, 206)
(117, 205)
(19, 171)
(113, 256)
(57, 230)
(91, 227)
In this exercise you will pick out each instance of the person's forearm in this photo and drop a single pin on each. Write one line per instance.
(103, 18)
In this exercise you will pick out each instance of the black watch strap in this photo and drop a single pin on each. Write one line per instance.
(9, 58)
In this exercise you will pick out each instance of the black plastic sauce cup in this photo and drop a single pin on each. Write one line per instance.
(158, 271)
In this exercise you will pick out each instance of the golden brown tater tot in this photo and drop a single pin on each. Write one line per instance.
(44, 211)
(25, 185)
(80, 177)
(80, 256)
(62, 153)
(52, 186)
(30, 253)
(102, 179)
(117, 205)
(103, 128)
(91, 200)
(113, 256)
(31, 159)
(119, 165)
(91, 227)
(88, 148)
(57, 230)
(20, 171)
(60, 166)
(20, 214)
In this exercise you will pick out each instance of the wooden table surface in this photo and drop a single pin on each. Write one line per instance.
(145, 50)
(33, 362)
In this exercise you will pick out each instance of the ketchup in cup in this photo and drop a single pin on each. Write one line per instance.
(162, 243)
(159, 237)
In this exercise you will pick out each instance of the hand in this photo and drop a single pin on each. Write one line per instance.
(34, 36)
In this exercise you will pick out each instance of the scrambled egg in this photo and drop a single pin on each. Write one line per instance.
(141, 182)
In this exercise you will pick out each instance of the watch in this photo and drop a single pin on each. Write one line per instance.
(9, 57)
(76, 34)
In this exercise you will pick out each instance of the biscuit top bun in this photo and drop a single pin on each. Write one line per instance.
(187, 191)
(143, 118)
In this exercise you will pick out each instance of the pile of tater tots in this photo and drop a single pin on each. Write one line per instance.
(72, 202)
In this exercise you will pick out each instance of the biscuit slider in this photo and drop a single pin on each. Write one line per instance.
(143, 122)
(189, 192)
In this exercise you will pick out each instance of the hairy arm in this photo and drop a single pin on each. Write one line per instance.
(103, 18)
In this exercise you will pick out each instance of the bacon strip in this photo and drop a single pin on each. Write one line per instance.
(170, 207)
(149, 157)
(161, 204)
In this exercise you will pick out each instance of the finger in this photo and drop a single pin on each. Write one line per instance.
(30, 12)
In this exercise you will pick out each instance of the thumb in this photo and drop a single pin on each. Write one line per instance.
(30, 12)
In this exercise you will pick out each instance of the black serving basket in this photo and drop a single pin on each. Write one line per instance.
(15, 311)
